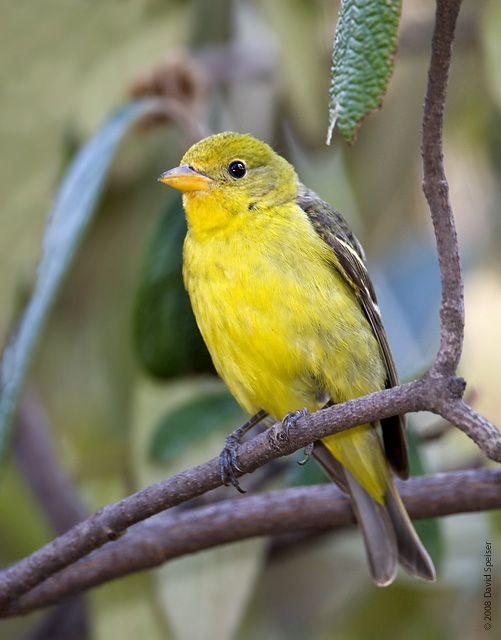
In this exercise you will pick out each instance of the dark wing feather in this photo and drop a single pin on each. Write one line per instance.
(333, 229)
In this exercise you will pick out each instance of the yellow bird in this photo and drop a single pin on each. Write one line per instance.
(284, 302)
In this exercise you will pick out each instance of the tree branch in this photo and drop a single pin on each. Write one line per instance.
(436, 189)
(485, 435)
(112, 521)
(323, 507)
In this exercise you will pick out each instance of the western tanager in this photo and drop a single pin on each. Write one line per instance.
(283, 300)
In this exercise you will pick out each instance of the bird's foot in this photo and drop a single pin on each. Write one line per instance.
(228, 459)
(289, 422)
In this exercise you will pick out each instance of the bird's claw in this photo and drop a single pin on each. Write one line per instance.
(308, 450)
(228, 463)
(289, 422)
(228, 459)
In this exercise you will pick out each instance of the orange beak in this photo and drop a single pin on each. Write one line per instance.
(185, 179)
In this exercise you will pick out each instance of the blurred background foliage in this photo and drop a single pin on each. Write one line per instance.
(258, 67)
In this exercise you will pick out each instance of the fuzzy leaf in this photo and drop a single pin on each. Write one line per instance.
(362, 61)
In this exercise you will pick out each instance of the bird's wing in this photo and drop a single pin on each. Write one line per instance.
(333, 229)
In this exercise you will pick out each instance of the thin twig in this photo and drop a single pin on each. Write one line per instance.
(436, 189)
(485, 435)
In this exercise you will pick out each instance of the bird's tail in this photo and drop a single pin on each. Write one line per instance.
(387, 530)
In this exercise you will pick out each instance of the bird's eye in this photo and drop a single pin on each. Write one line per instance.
(237, 169)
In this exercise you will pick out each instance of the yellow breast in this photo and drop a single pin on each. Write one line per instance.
(277, 318)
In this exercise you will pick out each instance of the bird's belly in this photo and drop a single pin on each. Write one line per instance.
(283, 333)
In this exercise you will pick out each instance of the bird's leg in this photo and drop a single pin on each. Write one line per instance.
(228, 459)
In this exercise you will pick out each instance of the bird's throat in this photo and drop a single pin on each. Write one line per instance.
(207, 214)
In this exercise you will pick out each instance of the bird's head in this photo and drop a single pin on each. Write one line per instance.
(234, 170)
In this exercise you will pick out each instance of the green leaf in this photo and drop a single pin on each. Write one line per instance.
(362, 61)
(71, 214)
(193, 422)
(166, 335)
